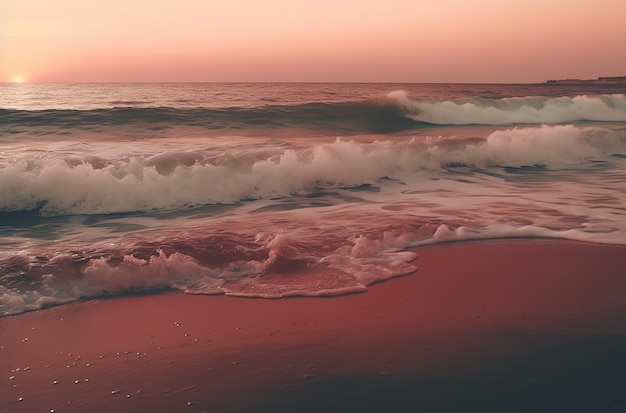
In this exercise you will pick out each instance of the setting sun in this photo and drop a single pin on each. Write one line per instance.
(19, 79)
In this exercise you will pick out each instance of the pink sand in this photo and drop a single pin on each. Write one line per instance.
(496, 326)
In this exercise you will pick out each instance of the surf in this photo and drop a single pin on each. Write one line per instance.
(55, 185)
(513, 110)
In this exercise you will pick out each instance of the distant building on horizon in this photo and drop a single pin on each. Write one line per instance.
(602, 79)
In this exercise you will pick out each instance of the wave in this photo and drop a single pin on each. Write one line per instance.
(516, 110)
(395, 112)
(365, 116)
(177, 180)
(264, 265)
(248, 265)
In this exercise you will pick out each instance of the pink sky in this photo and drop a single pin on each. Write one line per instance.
(311, 40)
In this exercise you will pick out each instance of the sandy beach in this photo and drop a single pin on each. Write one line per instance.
(502, 326)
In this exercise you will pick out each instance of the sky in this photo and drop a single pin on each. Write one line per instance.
(459, 41)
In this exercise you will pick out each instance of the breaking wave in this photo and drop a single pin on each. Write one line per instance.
(248, 265)
(514, 110)
(175, 180)
(263, 265)
(394, 112)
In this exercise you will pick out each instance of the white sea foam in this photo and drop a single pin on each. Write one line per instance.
(510, 111)
(168, 182)
(354, 268)
(361, 263)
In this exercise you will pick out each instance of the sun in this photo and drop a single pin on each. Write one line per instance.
(19, 79)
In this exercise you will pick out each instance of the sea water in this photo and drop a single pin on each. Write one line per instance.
(275, 190)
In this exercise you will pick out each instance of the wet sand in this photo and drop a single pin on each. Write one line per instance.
(493, 326)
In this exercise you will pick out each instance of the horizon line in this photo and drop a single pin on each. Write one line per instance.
(268, 82)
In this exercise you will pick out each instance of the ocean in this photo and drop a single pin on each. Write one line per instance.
(276, 190)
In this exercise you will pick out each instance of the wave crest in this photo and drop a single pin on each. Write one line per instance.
(511, 111)
(176, 180)
(395, 112)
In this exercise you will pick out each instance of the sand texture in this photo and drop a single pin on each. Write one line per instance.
(494, 326)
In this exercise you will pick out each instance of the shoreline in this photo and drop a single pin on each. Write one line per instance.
(493, 325)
